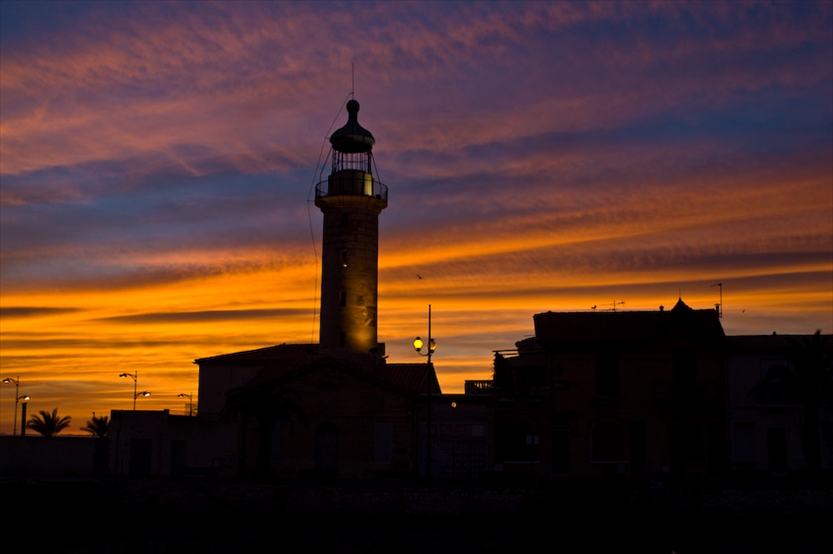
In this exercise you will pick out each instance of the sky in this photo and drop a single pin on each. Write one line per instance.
(157, 163)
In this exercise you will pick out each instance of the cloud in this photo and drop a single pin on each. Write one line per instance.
(157, 160)
(33, 311)
(207, 316)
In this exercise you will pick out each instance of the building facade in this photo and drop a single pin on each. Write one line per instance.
(618, 396)
(772, 427)
(614, 395)
(336, 409)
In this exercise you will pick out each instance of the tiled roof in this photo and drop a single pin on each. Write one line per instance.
(412, 377)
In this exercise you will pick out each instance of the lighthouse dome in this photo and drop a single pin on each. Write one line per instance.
(352, 138)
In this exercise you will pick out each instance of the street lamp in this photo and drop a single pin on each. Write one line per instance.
(137, 395)
(190, 398)
(25, 399)
(7, 381)
(418, 346)
(135, 377)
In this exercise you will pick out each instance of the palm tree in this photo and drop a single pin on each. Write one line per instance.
(809, 383)
(98, 426)
(268, 405)
(48, 424)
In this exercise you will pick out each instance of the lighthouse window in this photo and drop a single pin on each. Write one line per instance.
(344, 258)
(342, 298)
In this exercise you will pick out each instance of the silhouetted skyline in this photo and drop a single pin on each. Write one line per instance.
(158, 158)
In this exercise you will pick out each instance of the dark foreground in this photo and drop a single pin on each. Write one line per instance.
(185, 517)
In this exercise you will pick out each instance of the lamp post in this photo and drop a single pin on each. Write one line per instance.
(7, 381)
(25, 399)
(190, 398)
(135, 377)
(418, 346)
(23, 415)
(137, 395)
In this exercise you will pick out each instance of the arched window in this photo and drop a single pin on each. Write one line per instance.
(326, 447)
(777, 387)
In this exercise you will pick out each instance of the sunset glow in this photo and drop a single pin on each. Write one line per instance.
(157, 159)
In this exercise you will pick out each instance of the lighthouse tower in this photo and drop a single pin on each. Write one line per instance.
(351, 200)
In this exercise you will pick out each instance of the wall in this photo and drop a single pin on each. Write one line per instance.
(54, 456)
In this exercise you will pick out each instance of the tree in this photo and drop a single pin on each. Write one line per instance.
(809, 383)
(98, 426)
(268, 405)
(48, 424)
(501, 374)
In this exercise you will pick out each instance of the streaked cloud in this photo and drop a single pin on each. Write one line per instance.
(156, 161)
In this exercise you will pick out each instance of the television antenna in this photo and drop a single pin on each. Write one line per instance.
(614, 304)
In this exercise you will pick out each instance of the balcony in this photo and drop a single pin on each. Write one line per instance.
(479, 387)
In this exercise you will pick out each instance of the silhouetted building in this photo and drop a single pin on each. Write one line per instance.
(648, 396)
(767, 406)
(360, 423)
(154, 442)
(335, 409)
(621, 395)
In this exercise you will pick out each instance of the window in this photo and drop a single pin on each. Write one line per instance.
(276, 441)
(777, 385)
(827, 433)
(383, 441)
(684, 373)
(521, 443)
(608, 442)
(326, 447)
(743, 442)
(776, 444)
(639, 453)
(178, 458)
(607, 374)
(531, 377)
(561, 447)
(687, 444)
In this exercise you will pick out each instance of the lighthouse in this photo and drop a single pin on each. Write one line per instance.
(351, 199)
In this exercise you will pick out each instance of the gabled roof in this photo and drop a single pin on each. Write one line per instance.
(401, 378)
(259, 356)
(286, 361)
(623, 326)
(413, 377)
